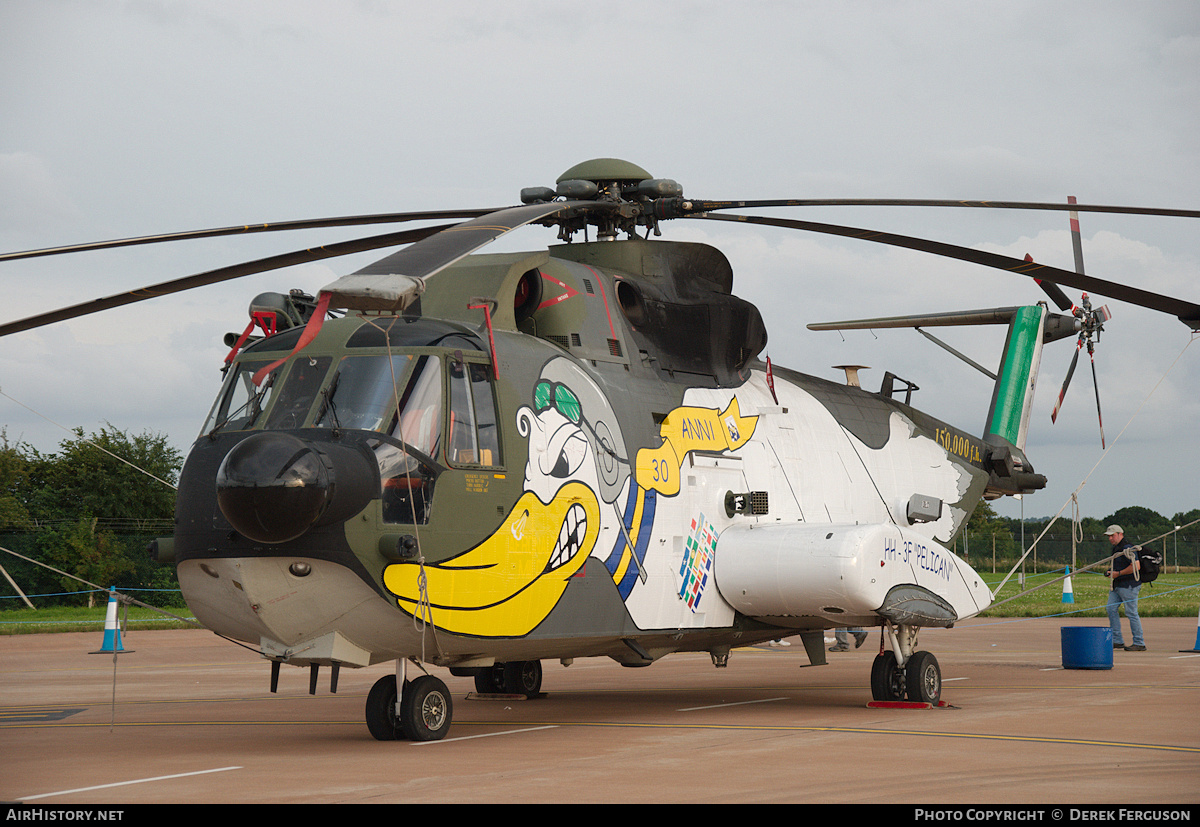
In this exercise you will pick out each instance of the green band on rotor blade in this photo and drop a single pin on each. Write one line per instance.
(1014, 389)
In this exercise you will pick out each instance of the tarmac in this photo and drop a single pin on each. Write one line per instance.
(185, 717)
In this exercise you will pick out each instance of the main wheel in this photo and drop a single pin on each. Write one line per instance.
(381, 710)
(887, 678)
(425, 709)
(923, 678)
(523, 677)
(489, 680)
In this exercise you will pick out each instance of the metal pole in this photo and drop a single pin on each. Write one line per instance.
(1022, 578)
(30, 605)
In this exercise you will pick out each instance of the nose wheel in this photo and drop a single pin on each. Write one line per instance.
(923, 678)
(919, 680)
(423, 714)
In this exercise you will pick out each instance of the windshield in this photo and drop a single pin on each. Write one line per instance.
(363, 393)
(241, 403)
(296, 396)
(395, 394)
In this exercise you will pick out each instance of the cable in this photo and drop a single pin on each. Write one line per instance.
(127, 600)
(1078, 571)
(1074, 494)
(90, 442)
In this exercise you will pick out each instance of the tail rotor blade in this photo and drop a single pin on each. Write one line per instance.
(1076, 239)
(1096, 384)
(1066, 382)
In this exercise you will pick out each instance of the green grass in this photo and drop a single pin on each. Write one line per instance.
(26, 621)
(1171, 595)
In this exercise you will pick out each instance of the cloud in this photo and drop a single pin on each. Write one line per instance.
(30, 193)
(141, 117)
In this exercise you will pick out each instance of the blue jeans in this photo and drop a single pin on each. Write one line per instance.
(1126, 596)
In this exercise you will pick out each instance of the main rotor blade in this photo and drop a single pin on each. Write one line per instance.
(306, 224)
(1186, 312)
(706, 206)
(1053, 290)
(223, 274)
(371, 288)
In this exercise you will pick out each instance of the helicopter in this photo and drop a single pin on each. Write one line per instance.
(485, 461)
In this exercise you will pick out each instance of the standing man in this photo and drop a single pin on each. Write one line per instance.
(843, 639)
(1125, 586)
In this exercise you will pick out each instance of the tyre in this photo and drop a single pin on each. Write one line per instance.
(923, 678)
(381, 710)
(887, 679)
(523, 677)
(489, 680)
(425, 709)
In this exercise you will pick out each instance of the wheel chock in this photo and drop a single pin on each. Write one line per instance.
(501, 696)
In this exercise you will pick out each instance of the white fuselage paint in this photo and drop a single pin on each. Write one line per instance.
(817, 473)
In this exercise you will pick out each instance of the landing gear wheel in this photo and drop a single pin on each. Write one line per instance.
(425, 709)
(523, 677)
(490, 680)
(381, 710)
(923, 678)
(887, 678)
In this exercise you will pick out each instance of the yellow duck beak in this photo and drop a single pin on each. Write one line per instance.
(508, 584)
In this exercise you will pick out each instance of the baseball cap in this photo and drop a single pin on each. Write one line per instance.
(1114, 529)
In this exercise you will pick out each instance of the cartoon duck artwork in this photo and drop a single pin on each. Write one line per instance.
(582, 497)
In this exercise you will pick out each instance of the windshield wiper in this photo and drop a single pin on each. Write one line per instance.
(328, 405)
(253, 403)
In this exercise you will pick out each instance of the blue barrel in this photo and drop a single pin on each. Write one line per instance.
(1087, 647)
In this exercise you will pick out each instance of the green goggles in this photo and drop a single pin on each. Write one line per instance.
(558, 396)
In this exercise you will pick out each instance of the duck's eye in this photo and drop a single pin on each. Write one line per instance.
(570, 457)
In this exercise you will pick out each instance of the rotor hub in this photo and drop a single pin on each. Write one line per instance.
(624, 195)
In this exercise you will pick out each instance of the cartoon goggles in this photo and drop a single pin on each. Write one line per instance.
(556, 395)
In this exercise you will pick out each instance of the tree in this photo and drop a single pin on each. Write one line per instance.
(1185, 517)
(1135, 515)
(14, 482)
(87, 509)
(991, 530)
(94, 556)
(88, 478)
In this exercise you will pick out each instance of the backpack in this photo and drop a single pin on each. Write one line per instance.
(1149, 564)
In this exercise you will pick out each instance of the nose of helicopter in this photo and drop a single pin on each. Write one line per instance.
(272, 487)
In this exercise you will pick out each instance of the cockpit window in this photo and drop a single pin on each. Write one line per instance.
(420, 422)
(363, 393)
(474, 437)
(241, 402)
(299, 389)
(407, 468)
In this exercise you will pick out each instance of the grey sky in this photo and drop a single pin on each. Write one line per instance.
(128, 118)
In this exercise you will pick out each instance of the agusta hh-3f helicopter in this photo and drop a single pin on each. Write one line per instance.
(486, 461)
